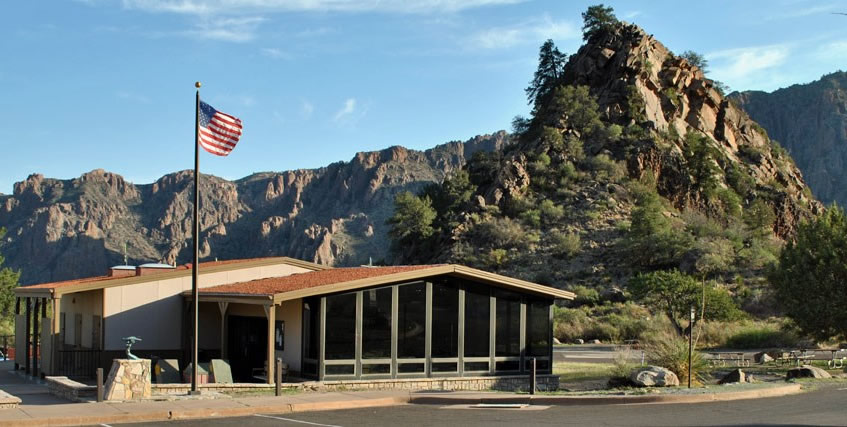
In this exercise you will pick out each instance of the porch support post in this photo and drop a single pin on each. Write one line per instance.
(222, 306)
(461, 331)
(26, 348)
(550, 336)
(428, 333)
(492, 332)
(270, 313)
(54, 336)
(17, 312)
(35, 334)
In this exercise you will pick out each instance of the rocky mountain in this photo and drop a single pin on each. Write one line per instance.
(335, 215)
(632, 161)
(810, 120)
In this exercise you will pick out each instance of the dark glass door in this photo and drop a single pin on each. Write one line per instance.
(248, 346)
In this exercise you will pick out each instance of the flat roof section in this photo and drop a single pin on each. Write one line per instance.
(100, 282)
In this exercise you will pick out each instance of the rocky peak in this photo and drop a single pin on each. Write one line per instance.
(638, 81)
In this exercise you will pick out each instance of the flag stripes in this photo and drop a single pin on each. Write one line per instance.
(219, 132)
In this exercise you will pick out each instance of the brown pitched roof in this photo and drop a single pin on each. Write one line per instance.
(334, 280)
(294, 282)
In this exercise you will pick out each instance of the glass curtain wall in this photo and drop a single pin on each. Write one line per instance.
(449, 327)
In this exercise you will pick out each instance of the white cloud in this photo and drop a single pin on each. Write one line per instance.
(801, 12)
(347, 110)
(832, 50)
(526, 32)
(275, 53)
(737, 67)
(240, 6)
(306, 109)
(632, 15)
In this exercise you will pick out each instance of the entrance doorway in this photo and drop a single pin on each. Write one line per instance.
(248, 346)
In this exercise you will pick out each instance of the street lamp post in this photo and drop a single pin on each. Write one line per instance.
(690, 343)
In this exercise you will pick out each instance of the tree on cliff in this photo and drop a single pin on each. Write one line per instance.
(8, 283)
(551, 64)
(811, 279)
(411, 225)
(597, 19)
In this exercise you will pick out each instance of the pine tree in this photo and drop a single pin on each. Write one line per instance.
(551, 64)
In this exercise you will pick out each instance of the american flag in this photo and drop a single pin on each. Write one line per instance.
(219, 132)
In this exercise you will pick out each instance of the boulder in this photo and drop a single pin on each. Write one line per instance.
(595, 341)
(736, 376)
(807, 371)
(653, 376)
(762, 358)
(579, 341)
(556, 341)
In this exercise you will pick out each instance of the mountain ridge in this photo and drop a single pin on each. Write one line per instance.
(332, 215)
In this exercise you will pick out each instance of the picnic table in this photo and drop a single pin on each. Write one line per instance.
(721, 358)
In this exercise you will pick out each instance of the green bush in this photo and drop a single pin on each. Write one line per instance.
(550, 212)
(565, 244)
(762, 336)
(670, 351)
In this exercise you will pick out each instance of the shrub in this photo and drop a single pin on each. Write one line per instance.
(762, 336)
(604, 166)
(550, 212)
(670, 351)
(565, 244)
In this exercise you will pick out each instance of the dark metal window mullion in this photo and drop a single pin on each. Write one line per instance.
(395, 313)
(322, 340)
(428, 333)
(461, 343)
(523, 334)
(358, 351)
(492, 331)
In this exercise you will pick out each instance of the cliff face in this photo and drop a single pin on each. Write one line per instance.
(638, 81)
(335, 215)
(625, 120)
(810, 120)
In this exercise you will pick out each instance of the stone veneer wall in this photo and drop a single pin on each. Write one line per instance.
(129, 380)
(69, 389)
(506, 383)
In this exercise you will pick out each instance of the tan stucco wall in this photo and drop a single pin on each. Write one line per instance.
(209, 326)
(88, 304)
(153, 310)
(291, 313)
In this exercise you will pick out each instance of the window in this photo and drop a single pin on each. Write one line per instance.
(508, 341)
(537, 328)
(477, 321)
(340, 327)
(445, 321)
(411, 318)
(311, 313)
(376, 324)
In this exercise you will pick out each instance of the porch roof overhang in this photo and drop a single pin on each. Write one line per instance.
(242, 292)
(57, 289)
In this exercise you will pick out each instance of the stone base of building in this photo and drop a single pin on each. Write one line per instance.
(499, 383)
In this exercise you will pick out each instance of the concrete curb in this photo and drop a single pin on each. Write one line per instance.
(186, 414)
(176, 413)
(608, 400)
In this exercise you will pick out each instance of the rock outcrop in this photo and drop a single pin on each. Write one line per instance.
(335, 215)
(653, 376)
(810, 121)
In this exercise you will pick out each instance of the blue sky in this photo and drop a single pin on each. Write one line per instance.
(108, 84)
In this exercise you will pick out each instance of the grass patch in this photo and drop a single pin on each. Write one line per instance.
(582, 371)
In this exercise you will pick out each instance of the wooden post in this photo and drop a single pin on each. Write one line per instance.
(99, 384)
(270, 313)
(222, 306)
(54, 364)
(27, 334)
(35, 334)
(278, 370)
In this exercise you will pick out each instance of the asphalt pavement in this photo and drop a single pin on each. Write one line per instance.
(827, 405)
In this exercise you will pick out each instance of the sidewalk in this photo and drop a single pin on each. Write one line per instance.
(106, 413)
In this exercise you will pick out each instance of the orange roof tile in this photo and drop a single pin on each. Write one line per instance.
(275, 285)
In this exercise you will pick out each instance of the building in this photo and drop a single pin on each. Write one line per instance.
(324, 323)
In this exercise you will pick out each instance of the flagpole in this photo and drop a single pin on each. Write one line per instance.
(195, 265)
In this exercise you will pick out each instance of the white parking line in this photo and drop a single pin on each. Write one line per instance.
(295, 421)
